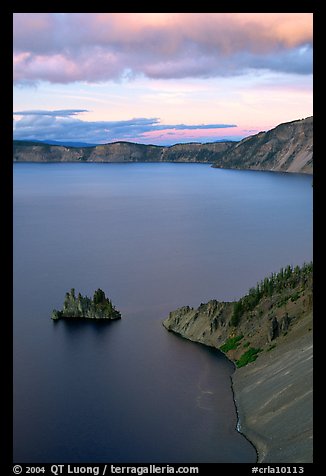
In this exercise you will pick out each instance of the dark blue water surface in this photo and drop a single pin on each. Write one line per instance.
(154, 237)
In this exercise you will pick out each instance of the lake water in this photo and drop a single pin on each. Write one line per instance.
(154, 237)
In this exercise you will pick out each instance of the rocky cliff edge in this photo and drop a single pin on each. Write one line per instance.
(268, 335)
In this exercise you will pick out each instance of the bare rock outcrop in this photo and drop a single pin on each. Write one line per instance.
(268, 335)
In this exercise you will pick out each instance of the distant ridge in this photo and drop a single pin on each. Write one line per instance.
(67, 143)
(287, 148)
(25, 151)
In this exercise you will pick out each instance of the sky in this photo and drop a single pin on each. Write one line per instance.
(159, 78)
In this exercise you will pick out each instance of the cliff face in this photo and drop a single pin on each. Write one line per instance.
(119, 152)
(260, 319)
(25, 151)
(125, 152)
(194, 152)
(268, 335)
(288, 148)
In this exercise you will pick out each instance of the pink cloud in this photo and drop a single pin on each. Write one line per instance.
(97, 47)
(198, 135)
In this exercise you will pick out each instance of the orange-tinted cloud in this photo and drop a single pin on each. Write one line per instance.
(98, 47)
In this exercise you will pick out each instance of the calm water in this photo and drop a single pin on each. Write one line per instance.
(154, 237)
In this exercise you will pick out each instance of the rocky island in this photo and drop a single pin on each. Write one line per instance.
(268, 335)
(82, 307)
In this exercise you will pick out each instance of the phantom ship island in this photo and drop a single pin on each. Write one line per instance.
(82, 307)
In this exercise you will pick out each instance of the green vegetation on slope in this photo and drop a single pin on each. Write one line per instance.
(231, 344)
(249, 356)
(256, 322)
(284, 280)
(274, 327)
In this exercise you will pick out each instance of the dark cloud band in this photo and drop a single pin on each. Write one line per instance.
(55, 113)
(62, 125)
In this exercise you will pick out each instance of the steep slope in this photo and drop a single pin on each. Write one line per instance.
(288, 148)
(274, 398)
(268, 334)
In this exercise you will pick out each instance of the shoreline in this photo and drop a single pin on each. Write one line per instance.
(238, 425)
(272, 395)
(237, 409)
(273, 398)
(212, 164)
